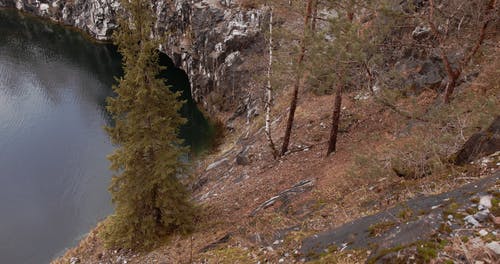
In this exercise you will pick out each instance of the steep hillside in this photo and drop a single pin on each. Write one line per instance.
(396, 152)
(256, 208)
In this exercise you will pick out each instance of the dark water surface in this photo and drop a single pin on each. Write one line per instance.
(53, 168)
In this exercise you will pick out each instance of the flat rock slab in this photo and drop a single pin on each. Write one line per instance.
(427, 216)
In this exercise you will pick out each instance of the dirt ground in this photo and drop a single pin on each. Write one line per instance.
(241, 174)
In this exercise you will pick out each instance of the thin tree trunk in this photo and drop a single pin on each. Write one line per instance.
(450, 87)
(332, 144)
(370, 78)
(269, 90)
(482, 33)
(314, 15)
(296, 86)
(454, 74)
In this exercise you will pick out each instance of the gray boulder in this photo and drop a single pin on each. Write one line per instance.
(481, 144)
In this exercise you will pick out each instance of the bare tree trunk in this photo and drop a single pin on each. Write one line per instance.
(293, 102)
(314, 15)
(482, 33)
(450, 87)
(454, 74)
(370, 78)
(269, 90)
(332, 144)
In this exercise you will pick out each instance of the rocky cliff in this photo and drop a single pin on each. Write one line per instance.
(209, 39)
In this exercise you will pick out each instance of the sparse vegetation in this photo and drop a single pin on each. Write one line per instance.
(421, 152)
(398, 141)
(495, 206)
(379, 228)
(426, 251)
(344, 257)
(451, 209)
(405, 214)
(229, 255)
(383, 253)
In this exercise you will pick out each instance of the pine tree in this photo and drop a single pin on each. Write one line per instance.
(149, 200)
(298, 77)
(341, 53)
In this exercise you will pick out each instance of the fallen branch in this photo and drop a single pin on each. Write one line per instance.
(217, 243)
(298, 149)
(399, 111)
(300, 187)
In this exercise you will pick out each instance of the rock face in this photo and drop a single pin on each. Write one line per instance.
(96, 17)
(388, 232)
(480, 144)
(209, 39)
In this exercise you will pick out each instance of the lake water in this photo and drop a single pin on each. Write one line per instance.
(53, 168)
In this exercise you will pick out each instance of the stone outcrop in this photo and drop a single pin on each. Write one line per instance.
(427, 217)
(209, 39)
(480, 144)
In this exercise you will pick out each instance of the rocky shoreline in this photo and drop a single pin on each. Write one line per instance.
(210, 40)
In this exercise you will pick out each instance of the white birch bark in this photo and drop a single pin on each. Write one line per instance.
(269, 90)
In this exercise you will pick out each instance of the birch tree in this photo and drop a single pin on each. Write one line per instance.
(269, 89)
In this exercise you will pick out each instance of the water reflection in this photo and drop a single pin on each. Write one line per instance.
(53, 168)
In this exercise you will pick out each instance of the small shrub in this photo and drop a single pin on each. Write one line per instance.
(428, 250)
(429, 141)
(379, 228)
(405, 214)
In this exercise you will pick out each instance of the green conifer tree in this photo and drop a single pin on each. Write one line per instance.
(149, 200)
(343, 50)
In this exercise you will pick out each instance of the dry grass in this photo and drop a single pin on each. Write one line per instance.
(357, 180)
(338, 196)
(469, 251)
